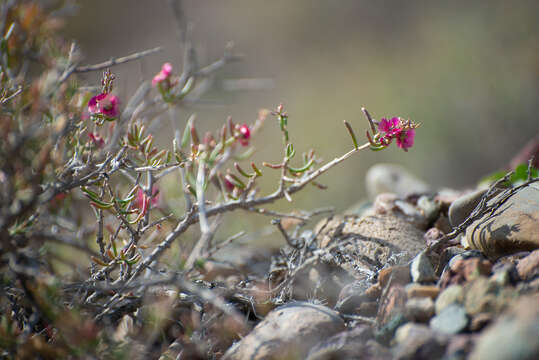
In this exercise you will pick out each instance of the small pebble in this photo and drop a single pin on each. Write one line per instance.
(417, 290)
(421, 269)
(419, 309)
(453, 294)
(451, 320)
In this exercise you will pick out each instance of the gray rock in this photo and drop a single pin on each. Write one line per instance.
(417, 341)
(453, 294)
(514, 335)
(513, 227)
(429, 207)
(419, 309)
(287, 332)
(347, 344)
(376, 240)
(451, 320)
(382, 178)
(421, 269)
(461, 208)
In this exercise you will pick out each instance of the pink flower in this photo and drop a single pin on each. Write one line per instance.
(399, 129)
(388, 126)
(405, 139)
(96, 139)
(105, 104)
(163, 75)
(245, 134)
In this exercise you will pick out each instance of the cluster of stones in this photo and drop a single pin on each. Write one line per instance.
(381, 295)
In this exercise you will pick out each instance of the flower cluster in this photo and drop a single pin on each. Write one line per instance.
(104, 105)
(163, 75)
(403, 131)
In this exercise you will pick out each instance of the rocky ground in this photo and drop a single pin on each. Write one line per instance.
(374, 283)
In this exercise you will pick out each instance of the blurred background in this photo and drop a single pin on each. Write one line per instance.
(467, 71)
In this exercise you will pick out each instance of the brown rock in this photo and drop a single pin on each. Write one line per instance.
(513, 227)
(398, 274)
(514, 335)
(391, 304)
(419, 309)
(415, 290)
(528, 267)
(288, 332)
(464, 270)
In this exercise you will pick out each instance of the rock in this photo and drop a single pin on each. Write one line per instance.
(421, 269)
(418, 290)
(396, 274)
(462, 207)
(451, 320)
(352, 296)
(391, 304)
(288, 332)
(484, 296)
(446, 255)
(459, 347)
(528, 267)
(513, 227)
(463, 270)
(514, 335)
(348, 344)
(382, 178)
(453, 294)
(374, 241)
(419, 309)
(429, 208)
(417, 341)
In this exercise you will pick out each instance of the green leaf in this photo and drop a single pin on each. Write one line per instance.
(303, 168)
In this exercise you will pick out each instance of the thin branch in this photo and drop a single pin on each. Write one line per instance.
(116, 61)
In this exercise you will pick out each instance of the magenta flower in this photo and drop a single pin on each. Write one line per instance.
(163, 75)
(245, 134)
(405, 139)
(388, 126)
(399, 129)
(105, 104)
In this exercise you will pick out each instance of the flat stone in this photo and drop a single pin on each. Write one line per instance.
(421, 269)
(453, 294)
(514, 335)
(383, 178)
(419, 309)
(513, 227)
(375, 241)
(462, 207)
(418, 290)
(287, 332)
(451, 320)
